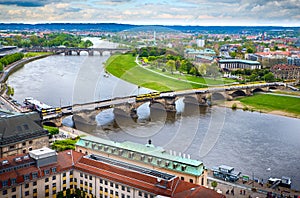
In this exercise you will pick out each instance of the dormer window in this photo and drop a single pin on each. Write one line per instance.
(183, 167)
(150, 159)
(167, 163)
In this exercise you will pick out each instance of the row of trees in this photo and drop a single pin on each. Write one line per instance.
(255, 75)
(49, 40)
(6, 60)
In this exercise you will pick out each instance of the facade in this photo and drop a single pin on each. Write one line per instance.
(147, 156)
(234, 64)
(293, 61)
(192, 53)
(45, 173)
(286, 72)
(20, 133)
(204, 59)
(200, 42)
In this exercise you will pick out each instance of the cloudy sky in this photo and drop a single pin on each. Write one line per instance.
(191, 12)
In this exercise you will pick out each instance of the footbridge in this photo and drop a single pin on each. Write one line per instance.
(166, 101)
(76, 50)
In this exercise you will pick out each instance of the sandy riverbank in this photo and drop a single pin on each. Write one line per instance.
(240, 105)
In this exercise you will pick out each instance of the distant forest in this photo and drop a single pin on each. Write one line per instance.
(113, 27)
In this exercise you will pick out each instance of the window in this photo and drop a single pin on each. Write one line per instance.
(47, 172)
(128, 189)
(34, 183)
(14, 196)
(30, 149)
(30, 142)
(24, 144)
(123, 196)
(26, 126)
(71, 179)
(53, 192)
(140, 193)
(91, 177)
(11, 146)
(81, 174)
(85, 176)
(111, 192)
(64, 181)
(91, 185)
(26, 185)
(13, 181)
(54, 177)
(101, 181)
(54, 185)
(116, 186)
(128, 196)
(105, 190)
(26, 193)
(182, 178)
(34, 175)
(85, 183)
(105, 182)
(145, 195)
(47, 194)
(111, 184)
(71, 172)
(46, 187)
(24, 150)
(123, 188)
(101, 188)
(47, 179)
(64, 188)
(4, 192)
(191, 181)
(34, 190)
(64, 174)
(26, 177)
(75, 179)
(13, 189)
(81, 182)
(54, 170)
(4, 183)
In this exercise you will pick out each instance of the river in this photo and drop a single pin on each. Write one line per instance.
(254, 143)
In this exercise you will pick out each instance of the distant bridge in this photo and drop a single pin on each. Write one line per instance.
(76, 50)
(127, 106)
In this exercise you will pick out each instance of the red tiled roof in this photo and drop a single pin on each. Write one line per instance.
(71, 159)
(285, 67)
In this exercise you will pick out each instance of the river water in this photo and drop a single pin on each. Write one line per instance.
(254, 143)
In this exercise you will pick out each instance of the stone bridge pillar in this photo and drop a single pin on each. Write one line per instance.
(168, 102)
(91, 53)
(127, 109)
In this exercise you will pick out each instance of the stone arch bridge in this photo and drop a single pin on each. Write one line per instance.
(166, 101)
(70, 51)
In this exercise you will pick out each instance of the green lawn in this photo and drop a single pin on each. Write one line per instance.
(272, 102)
(33, 54)
(124, 67)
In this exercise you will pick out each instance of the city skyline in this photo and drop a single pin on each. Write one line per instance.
(168, 12)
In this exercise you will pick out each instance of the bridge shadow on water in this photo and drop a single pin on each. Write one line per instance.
(115, 119)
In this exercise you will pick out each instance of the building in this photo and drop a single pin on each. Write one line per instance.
(286, 72)
(45, 173)
(293, 60)
(20, 133)
(192, 53)
(148, 156)
(203, 59)
(200, 42)
(234, 64)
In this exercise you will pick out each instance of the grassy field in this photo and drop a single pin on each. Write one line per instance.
(272, 103)
(33, 54)
(124, 67)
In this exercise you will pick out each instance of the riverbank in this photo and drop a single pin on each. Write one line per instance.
(10, 69)
(252, 107)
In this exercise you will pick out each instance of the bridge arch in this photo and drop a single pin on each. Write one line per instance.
(238, 93)
(49, 123)
(257, 90)
(217, 96)
(191, 100)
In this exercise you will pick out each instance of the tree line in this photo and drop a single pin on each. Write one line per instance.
(8, 59)
(47, 40)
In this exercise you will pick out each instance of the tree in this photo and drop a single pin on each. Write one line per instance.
(269, 77)
(1, 67)
(213, 70)
(171, 65)
(214, 184)
(202, 69)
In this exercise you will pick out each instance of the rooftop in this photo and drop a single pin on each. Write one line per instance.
(238, 61)
(41, 153)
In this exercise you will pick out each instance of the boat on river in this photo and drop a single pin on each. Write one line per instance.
(226, 173)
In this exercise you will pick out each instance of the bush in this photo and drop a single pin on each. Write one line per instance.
(234, 106)
(51, 130)
(245, 108)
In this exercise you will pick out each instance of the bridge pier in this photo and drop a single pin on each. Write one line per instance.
(91, 53)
